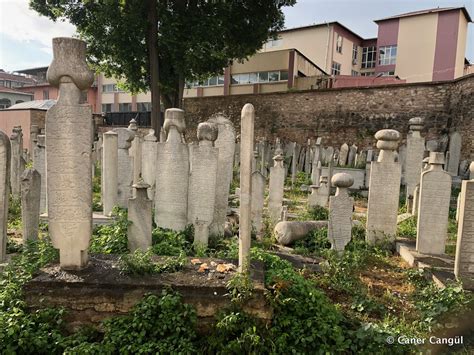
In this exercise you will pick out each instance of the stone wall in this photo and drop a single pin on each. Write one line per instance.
(350, 115)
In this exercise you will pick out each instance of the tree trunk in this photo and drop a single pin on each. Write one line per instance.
(152, 42)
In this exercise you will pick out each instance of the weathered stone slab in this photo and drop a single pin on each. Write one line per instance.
(343, 154)
(17, 161)
(39, 164)
(125, 166)
(139, 214)
(30, 203)
(287, 232)
(433, 209)
(414, 155)
(172, 174)
(203, 180)
(319, 193)
(258, 193)
(5, 164)
(384, 189)
(275, 189)
(352, 155)
(455, 143)
(464, 262)
(68, 154)
(149, 162)
(340, 212)
(225, 142)
(110, 172)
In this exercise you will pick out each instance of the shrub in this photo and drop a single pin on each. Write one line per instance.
(111, 238)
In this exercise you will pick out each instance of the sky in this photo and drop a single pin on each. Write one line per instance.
(25, 37)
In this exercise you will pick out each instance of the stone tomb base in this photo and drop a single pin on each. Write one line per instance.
(441, 267)
(101, 291)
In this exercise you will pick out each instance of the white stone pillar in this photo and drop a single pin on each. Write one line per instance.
(203, 180)
(34, 131)
(246, 156)
(414, 155)
(39, 164)
(68, 154)
(5, 164)
(275, 189)
(125, 166)
(149, 162)
(135, 151)
(455, 144)
(293, 165)
(30, 203)
(17, 161)
(140, 216)
(343, 154)
(433, 210)
(384, 189)
(340, 212)
(110, 172)
(258, 196)
(172, 174)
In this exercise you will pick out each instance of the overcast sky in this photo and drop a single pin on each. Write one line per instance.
(25, 37)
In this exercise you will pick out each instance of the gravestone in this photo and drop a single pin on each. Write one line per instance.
(17, 161)
(68, 154)
(293, 165)
(275, 189)
(414, 155)
(110, 172)
(316, 173)
(5, 164)
(34, 131)
(307, 159)
(464, 261)
(343, 154)
(149, 161)
(125, 166)
(39, 164)
(416, 200)
(340, 212)
(139, 214)
(237, 152)
(455, 143)
(352, 155)
(30, 203)
(384, 189)
(135, 151)
(433, 209)
(172, 174)
(246, 153)
(225, 142)
(258, 195)
(319, 193)
(203, 179)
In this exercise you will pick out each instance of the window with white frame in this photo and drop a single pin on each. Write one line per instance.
(274, 42)
(387, 55)
(260, 77)
(335, 68)
(143, 106)
(216, 80)
(106, 107)
(354, 53)
(369, 73)
(368, 57)
(109, 88)
(355, 73)
(339, 44)
(125, 107)
(387, 73)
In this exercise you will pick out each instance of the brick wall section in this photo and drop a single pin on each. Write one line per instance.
(350, 115)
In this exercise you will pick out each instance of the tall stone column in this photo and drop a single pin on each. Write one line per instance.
(68, 154)
(275, 189)
(135, 151)
(39, 164)
(316, 162)
(109, 172)
(464, 261)
(414, 155)
(455, 144)
(384, 189)
(258, 197)
(172, 174)
(340, 212)
(17, 161)
(5, 154)
(225, 142)
(149, 162)
(30, 203)
(125, 166)
(34, 131)
(293, 165)
(433, 209)
(203, 180)
(140, 216)
(246, 156)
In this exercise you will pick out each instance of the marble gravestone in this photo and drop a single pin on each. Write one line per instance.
(433, 208)
(258, 196)
(148, 162)
(68, 154)
(30, 203)
(140, 215)
(343, 154)
(17, 162)
(5, 154)
(455, 143)
(125, 166)
(384, 189)
(203, 181)
(275, 189)
(340, 212)
(109, 172)
(39, 164)
(414, 155)
(172, 174)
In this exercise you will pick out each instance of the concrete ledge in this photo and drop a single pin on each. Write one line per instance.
(101, 291)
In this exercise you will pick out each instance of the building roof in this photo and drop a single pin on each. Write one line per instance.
(320, 25)
(428, 11)
(35, 104)
(7, 76)
(14, 91)
(32, 71)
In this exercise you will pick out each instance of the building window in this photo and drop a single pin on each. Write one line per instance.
(5, 103)
(368, 57)
(125, 107)
(83, 97)
(260, 77)
(274, 42)
(106, 107)
(339, 44)
(144, 106)
(111, 88)
(2, 82)
(212, 81)
(354, 53)
(355, 73)
(387, 55)
(369, 73)
(45, 94)
(386, 73)
(19, 101)
(335, 68)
